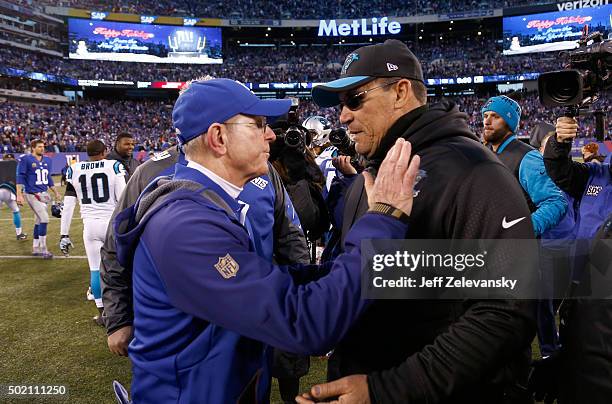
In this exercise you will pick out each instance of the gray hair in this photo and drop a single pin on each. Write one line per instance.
(198, 79)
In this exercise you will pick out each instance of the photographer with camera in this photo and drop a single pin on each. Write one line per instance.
(589, 183)
(304, 181)
(581, 371)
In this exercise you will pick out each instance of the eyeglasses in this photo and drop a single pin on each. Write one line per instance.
(260, 124)
(355, 101)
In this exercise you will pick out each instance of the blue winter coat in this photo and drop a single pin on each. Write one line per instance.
(204, 298)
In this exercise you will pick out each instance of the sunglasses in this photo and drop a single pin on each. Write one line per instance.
(355, 101)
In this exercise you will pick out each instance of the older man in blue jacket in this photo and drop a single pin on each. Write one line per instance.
(205, 303)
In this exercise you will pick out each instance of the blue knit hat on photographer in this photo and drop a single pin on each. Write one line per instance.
(505, 107)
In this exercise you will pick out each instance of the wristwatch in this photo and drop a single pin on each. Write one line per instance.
(388, 210)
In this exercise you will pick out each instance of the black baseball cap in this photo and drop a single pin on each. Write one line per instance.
(389, 59)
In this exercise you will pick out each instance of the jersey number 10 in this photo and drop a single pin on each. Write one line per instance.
(42, 176)
(99, 194)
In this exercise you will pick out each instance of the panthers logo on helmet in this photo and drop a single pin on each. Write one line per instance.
(320, 128)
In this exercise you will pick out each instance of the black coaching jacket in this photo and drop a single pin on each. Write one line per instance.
(417, 351)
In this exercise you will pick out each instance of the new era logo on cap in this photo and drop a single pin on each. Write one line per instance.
(391, 67)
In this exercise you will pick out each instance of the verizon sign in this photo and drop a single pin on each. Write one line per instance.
(574, 5)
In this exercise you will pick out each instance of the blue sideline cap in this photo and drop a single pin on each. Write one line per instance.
(505, 107)
(389, 59)
(216, 101)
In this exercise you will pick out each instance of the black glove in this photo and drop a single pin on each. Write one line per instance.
(544, 378)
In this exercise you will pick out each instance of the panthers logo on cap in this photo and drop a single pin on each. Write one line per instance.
(347, 62)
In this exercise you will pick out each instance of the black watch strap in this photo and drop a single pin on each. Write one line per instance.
(388, 210)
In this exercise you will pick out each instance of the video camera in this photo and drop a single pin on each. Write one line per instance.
(588, 74)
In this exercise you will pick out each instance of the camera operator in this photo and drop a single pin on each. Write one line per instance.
(589, 183)
(304, 182)
(555, 257)
(580, 373)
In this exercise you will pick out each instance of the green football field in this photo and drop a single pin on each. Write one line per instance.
(47, 336)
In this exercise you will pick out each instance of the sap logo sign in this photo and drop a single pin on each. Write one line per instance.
(190, 21)
(360, 27)
(573, 5)
(147, 19)
(96, 15)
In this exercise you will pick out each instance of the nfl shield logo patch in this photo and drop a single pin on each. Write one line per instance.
(227, 266)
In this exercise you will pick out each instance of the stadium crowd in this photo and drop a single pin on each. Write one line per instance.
(449, 58)
(290, 9)
(70, 127)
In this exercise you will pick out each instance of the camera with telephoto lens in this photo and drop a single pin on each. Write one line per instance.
(289, 132)
(346, 147)
(588, 75)
(340, 139)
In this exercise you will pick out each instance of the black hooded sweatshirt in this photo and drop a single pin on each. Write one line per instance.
(424, 351)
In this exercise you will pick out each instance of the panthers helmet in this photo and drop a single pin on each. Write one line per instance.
(319, 127)
(56, 209)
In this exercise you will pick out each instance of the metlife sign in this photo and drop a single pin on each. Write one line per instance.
(362, 27)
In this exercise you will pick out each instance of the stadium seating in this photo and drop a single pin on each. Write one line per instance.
(288, 64)
(288, 9)
(70, 127)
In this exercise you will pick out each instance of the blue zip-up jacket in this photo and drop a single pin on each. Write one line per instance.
(288, 242)
(596, 200)
(260, 195)
(589, 183)
(202, 294)
(550, 204)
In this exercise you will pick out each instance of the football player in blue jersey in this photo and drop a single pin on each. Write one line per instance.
(33, 185)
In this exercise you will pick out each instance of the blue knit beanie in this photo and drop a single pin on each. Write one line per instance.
(505, 107)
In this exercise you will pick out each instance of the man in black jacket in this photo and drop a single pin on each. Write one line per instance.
(124, 146)
(424, 351)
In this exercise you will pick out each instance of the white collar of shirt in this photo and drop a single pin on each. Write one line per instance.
(231, 189)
